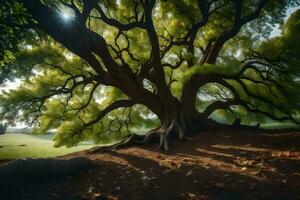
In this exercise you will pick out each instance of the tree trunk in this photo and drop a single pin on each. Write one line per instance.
(177, 122)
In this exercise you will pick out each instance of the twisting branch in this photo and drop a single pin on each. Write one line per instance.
(248, 105)
(117, 24)
(155, 62)
(108, 109)
(189, 38)
(87, 103)
(239, 22)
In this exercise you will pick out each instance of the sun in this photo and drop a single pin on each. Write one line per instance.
(65, 16)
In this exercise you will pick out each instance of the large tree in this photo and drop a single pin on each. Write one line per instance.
(106, 65)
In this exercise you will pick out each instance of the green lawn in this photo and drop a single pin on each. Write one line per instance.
(13, 146)
(280, 126)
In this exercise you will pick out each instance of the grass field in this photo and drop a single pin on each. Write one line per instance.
(13, 146)
(18, 145)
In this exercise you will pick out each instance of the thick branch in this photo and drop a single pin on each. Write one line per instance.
(237, 100)
(117, 24)
(108, 109)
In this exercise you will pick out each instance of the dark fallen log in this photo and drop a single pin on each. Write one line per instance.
(29, 170)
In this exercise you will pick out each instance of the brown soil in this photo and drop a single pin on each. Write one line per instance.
(225, 165)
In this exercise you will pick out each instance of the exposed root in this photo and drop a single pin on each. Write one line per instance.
(133, 139)
(162, 134)
(172, 131)
(126, 142)
(164, 142)
(164, 137)
(187, 138)
(182, 136)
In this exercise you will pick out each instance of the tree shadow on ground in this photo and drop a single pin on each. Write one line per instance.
(217, 167)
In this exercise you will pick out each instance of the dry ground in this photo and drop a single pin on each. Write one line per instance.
(226, 165)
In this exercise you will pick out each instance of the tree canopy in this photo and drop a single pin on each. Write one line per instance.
(110, 69)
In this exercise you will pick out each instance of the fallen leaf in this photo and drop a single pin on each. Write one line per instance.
(190, 173)
(192, 195)
(91, 188)
(283, 180)
(145, 178)
(97, 194)
(220, 185)
(244, 168)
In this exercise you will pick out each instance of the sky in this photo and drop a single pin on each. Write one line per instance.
(277, 31)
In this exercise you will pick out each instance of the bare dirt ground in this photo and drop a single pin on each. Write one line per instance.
(226, 165)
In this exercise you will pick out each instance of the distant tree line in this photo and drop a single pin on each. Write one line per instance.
(2, 129)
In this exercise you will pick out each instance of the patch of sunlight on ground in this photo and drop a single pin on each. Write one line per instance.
(15, 145)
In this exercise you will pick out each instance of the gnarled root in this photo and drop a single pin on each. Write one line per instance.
(162, 134)
(134, 139)
(173, 130)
